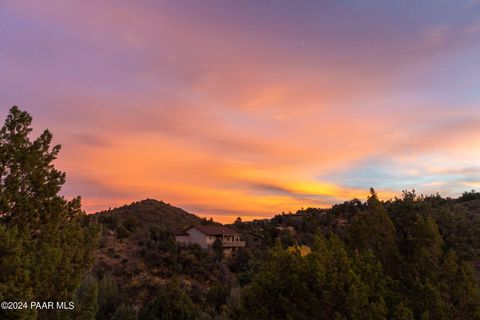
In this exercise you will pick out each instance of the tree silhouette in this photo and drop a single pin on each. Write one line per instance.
(46, 242)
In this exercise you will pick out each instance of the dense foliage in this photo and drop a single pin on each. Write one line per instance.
(400, 265)
(414, 257)
(46, 242)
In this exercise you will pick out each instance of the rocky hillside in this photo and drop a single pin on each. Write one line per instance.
(138, 254)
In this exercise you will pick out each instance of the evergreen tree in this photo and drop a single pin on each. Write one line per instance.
(217, 296)
(86, 302)
(459, 288)
(14, 275)
(47, 241)
(374, 230)
(279, 290)
(108, 297)
(217, 248)
(325, 284)
(170, 303)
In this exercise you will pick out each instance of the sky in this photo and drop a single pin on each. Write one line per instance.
(249, 108)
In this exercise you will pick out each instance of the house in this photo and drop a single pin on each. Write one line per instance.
(288, 229)
(205, 236)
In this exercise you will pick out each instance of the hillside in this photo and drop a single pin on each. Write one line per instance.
(129, 228)
(137, 253)
(393, 256)
(149, 212)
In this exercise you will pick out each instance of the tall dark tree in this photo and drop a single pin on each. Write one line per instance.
(170, 303)
(109, 297)
(217, 248)
(373, 229)
(86, 300)
(47, 242)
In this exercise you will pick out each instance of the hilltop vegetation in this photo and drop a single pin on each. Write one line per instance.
(142, 214)
(410, 258)
(139, 255)
(415, 257)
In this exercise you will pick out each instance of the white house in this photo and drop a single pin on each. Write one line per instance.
(205, 236)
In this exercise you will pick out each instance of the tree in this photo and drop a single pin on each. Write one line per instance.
(217, 296)
(48, 240)
(459, 288)
(86, 304)
(322, 285)
(108, 297)
(374, 230)
(131, 224)
(426, 246)
(14, 276)
(170, 303)
(435, 282)
(217, 248)
(279, 290)
(122, 232)
(240, 261)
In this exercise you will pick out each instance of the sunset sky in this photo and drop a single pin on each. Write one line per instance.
(249, 108)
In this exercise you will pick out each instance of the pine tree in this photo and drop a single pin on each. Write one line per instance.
(48, 241)
(108, 297)
(170, 303)
(374, 230)
(86, 301)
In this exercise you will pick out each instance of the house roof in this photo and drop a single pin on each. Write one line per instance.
(213, 230)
